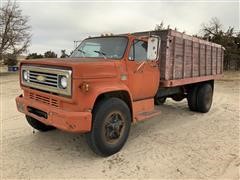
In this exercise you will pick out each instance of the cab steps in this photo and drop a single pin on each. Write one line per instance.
(146, 115)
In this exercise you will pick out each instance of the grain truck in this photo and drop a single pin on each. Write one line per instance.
(111, 82)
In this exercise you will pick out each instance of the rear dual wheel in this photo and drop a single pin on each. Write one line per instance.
(192, 98)
(200, 98)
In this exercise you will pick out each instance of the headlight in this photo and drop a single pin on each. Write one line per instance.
(63, 82)
(25, 75)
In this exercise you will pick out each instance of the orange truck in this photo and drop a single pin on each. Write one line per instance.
(110, 82)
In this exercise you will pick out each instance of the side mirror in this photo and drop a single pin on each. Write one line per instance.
(153, 48)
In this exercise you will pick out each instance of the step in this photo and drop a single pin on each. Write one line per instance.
(147, 115)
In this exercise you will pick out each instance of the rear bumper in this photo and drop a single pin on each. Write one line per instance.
(59, 118)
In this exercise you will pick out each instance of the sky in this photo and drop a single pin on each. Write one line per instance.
(56, 24)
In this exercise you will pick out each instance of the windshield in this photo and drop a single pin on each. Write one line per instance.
(103, 47)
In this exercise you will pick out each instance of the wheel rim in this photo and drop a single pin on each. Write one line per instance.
(114, 127)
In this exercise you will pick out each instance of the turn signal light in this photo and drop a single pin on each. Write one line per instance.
(84, 87)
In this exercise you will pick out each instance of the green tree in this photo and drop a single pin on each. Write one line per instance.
(50, 54)
(34, 56)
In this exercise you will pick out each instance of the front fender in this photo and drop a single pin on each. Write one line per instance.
(96, 89)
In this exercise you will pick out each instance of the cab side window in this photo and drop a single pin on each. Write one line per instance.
(138, 51)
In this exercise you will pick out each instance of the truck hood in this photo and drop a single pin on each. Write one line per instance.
(81, 67)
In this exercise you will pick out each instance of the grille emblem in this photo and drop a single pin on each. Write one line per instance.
(41, 78)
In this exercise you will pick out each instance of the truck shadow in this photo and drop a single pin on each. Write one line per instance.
(172, 114)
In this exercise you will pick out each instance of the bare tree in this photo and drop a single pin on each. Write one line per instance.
(159, 27)
(14, 30)
(64, 54)
(212, 28)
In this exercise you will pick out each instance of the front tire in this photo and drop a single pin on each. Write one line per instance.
(110, 128)
(38, 125)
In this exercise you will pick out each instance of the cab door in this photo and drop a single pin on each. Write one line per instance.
(143, 74)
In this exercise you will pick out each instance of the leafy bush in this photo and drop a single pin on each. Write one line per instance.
(34, 56)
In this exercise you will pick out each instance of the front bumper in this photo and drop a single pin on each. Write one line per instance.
(59, 118)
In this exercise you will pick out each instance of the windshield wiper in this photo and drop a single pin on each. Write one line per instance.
(81, 51)
(101, 53)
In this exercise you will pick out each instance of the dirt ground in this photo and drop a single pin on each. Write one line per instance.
(176, 144)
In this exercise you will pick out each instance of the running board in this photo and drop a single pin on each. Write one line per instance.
(146, 115)
(144, 109)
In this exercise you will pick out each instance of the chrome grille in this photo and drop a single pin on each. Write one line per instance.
(47, 79)
(50, 79)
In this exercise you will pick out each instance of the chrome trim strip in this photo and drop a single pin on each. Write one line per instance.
(47, 83)
(51, 80)
(32, 73)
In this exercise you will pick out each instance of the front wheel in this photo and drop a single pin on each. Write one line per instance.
(110, 128)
